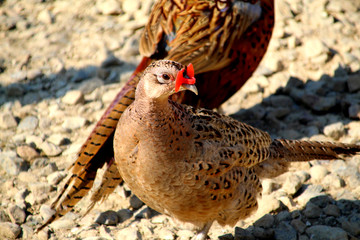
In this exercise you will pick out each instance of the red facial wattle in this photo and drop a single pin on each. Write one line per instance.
(185, 76)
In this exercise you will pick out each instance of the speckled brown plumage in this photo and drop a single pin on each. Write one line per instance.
(224, 39)
(195, 164)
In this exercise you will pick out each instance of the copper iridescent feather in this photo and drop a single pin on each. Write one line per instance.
(225, 41)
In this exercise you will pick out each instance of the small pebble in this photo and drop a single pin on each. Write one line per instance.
(9, 230)
(108, 218)
(335, 130)
(7, 120)
(323, 232)
(74, 122)
(50, 149)
(28, 123)
(26, 152)
(73, 97)
(354, 82)
(11, 163)
(265, 222)
(17, 214)
(318, 172)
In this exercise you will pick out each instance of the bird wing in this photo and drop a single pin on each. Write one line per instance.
(198, 32)
(225, 142)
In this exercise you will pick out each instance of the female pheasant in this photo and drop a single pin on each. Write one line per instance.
(224, 39)
(195, 164)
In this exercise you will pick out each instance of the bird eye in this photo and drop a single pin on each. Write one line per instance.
(164, 78)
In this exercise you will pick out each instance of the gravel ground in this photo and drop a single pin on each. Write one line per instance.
(62, 62)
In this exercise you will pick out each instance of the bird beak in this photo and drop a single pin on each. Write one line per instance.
(190, 87)
(185, 80)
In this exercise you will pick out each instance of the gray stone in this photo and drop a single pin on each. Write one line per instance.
(318, 103)
(283, 216)
(322, 232)
(9, 230)
(11, 163)
(321, 201)
(73, 97)
(15, 90)
(111, 61)
(108, 218)
(243, 234)
(135, 202)
(335, 130)
(351, 227)
(265, 221)
(354, 82)
(262, 233)
(312, 211)
(7, 120)
(17, 214)
(28, 123)
(298, 225)
(279, 101)
(354, 111)
(124, 214)
(332, 210)
(284, 231)
(90, 85)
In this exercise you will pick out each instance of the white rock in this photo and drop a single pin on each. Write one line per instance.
(74, 122)
(73, 97)
(50, 149)
(334, 130)
(318, 172)
(7, 120)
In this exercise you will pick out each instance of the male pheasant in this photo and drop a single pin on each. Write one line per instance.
(195, 164)
(224, 39)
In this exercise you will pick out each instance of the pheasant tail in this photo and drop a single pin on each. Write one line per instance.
(96, 151)
(296, 150)
(110, 180)
(283, 152)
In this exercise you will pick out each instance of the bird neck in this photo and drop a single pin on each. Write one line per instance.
(152, 109)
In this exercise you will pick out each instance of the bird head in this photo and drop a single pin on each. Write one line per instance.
(163, 78)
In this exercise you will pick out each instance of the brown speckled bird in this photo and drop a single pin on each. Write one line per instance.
(224, 39)
(195, 164)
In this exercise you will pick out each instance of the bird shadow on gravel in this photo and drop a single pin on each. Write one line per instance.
(34, 87)
(303, 110)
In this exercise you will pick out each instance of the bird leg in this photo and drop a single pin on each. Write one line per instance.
(202, 233)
